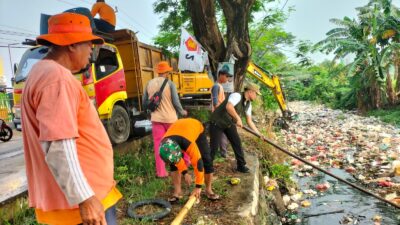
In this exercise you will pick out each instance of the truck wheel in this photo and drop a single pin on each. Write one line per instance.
(151, 216)
(6, 134)
(119, 125)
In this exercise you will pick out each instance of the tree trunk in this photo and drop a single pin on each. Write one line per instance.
(237, 15)
(206, 30)
(392, 97)
(396, 71)
(362, 106)
(375, 94)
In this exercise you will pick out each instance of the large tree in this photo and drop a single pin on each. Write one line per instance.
(221, 27)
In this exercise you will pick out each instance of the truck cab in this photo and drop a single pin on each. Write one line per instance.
(116, 80)
(28, 59)
(104, 82)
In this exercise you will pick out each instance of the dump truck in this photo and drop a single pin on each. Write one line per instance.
(116, 80)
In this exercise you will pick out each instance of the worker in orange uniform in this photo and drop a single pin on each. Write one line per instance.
(68, 155)
(107, 20)
(188, 136)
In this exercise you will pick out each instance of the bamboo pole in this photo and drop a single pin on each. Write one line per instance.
(322, 170)
(181, 215)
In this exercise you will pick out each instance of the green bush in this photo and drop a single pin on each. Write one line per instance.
(281, 172)
(391, 115)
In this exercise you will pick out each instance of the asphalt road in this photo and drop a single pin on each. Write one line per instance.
(12, 168)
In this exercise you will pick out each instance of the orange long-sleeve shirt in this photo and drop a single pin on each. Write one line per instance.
(185, 132)
(105, 11)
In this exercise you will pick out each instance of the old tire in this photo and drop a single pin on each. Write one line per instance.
(7, 134)
(119, 125)
(155, 216)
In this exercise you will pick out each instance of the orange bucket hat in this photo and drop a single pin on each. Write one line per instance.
(163, 67)
(67, 29)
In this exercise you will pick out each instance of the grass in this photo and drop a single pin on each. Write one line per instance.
(17, 213)
(201, 114)
(391, 115)
(135, 174)
(342, 116)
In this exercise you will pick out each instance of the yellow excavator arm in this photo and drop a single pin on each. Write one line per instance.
(273, 83)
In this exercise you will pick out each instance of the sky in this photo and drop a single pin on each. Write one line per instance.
(19, 19)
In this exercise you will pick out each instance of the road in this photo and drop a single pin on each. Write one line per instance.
(12, 168)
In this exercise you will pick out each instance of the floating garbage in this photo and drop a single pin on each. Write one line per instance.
(286, 199)
(293, 206)
(364, 147)
(377, 218)
(305, 203)
(271, 185)
(322, 187)
(296, 197)
(385, 183)
(310, 192)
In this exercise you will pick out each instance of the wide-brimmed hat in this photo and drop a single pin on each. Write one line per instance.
(253, 87)
(163, 67)
(170, 151)
(67, 29)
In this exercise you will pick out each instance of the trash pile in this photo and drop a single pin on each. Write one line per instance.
(364, 147)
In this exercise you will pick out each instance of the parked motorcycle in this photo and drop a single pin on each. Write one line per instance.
(6, 132)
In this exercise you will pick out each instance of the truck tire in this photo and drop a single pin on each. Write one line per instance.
(119, 125)
(6, 134)
(153, 217)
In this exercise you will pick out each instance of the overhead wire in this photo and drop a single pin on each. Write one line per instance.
(15, 33)
(284, 5)
(68, 3)
(144, 28)
(8, 39)
(145, 31)
(74, 5)
(6, 46)
(29, 33)
(18, 28)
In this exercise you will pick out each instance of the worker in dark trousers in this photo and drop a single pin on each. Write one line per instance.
(187, 136)
(227, 116)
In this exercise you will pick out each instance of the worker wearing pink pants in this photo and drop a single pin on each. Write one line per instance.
(167, 111)
(159, 129)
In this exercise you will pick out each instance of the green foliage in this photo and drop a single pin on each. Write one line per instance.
(201, 114)
(175, 15)
(373, 38)
(17, 213)
(390, 115)
(281, 172)
(267, 37)
(135, 174)
(268, 99)
(326, 83)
